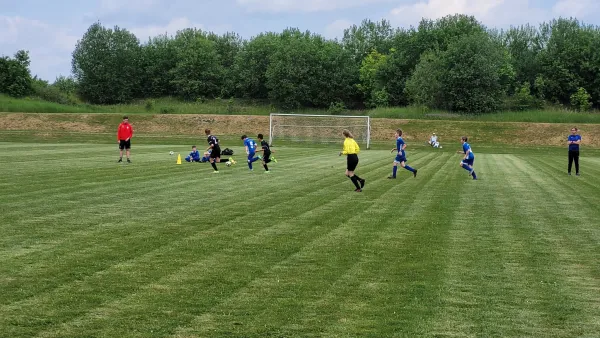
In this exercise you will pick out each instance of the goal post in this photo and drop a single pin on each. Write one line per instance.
(318, 128)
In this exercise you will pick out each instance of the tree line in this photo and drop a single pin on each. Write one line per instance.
(454, 63)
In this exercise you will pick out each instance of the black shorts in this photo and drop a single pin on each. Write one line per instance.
(267, 158)
(125, 144)
(216, 152)
(352, 162)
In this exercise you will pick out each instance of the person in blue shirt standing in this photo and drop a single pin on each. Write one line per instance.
(194, 156)
(250, 146)
(400, 156)
(469, 159)
(574, 141)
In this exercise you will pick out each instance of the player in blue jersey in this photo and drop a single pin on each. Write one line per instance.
(400, 156)
(250, 146)
(194, 156)
(467, 161)
(574, 141)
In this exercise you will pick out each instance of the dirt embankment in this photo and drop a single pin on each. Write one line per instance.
(542, 134)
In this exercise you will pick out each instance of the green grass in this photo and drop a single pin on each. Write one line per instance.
(248, 107)
(90, 248)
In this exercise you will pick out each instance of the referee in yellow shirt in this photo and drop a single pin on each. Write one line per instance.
(351, 151)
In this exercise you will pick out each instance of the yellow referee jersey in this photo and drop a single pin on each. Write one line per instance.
(350, 146)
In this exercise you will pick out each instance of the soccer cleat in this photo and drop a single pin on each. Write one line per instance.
(391, 177)
(267, 172)
(362, 183)
(128, 161)
(415, 173)
(215, 172)
(358, 190)
(569, 174)
(121, 160)
(274, 159)
(577, 174)
(259, 157)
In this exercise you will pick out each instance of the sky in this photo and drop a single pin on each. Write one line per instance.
(49, 30)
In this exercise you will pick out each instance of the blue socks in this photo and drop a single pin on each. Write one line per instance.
(394, 171)
(409, 168)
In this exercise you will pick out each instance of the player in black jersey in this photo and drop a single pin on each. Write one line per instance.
(215, 154)
(266, 150)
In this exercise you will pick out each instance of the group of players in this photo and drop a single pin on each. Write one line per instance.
(351, 150)
(213, 153)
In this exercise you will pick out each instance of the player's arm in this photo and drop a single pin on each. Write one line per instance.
(403, 147)
(344, 149)
(131, 134)
(393, 150)
(578, 141)
(467, 153)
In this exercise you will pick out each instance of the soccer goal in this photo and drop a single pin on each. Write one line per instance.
(318, 128)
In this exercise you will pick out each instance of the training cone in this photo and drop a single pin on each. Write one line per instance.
(178, 158)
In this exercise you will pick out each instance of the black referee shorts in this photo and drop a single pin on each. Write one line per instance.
(351, 162)
(125, 144)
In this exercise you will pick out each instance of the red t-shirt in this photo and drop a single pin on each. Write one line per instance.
(125, 131)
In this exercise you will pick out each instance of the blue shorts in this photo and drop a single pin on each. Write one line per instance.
(469, 161)
(400, 158)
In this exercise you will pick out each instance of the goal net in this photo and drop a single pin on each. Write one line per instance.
(318, 128)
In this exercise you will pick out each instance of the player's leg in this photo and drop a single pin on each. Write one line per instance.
(395, 167)
(121, 147)
(576, 160)
(128, 150)
(266, 160)
(571, 159)
(409, 168)
(188, 158)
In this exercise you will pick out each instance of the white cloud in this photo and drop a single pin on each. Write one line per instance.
(494, 13)
(49, 46)
(143, 33)
(576, 8)
(336, 28)
(279, 6)
(116, 5)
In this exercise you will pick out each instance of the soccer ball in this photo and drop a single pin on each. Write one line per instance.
(228, 163)
(171, 152)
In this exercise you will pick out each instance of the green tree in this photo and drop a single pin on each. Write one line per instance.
(306, 70)
(467, 77)
(228, 46)
(368, 36)
(106, 65)
(159, 58)
(251, 65)
(580, 100)
(15, 78)
(570, 60)
(65, 84)
(369, 84)
(199, 72)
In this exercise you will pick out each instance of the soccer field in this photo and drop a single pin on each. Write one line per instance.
(92, 248)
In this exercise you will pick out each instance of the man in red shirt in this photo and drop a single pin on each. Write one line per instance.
(124, 135)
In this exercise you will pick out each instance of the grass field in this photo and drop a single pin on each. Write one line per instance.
(249, 107)
(90, 248)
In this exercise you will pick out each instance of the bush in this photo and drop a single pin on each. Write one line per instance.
(581, 100)
(336, 108)
(53, 94)
(149, 106)
(522, 100)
